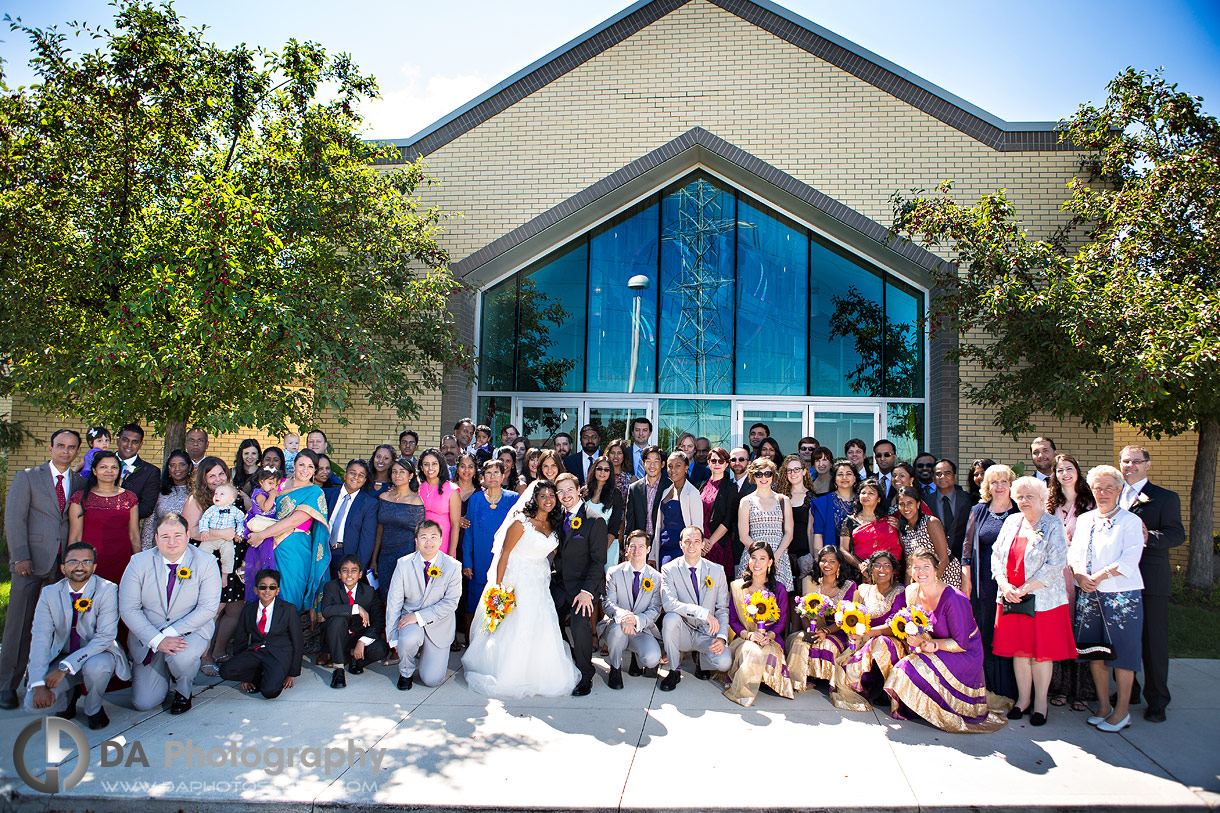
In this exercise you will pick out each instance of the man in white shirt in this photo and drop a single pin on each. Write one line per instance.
(885, 457)
(1042, 452)
(641, 435)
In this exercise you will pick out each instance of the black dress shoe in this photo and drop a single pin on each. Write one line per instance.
(99, 720)
(585, 686)
(670, 681)
(702, 674)
(615, 680)
(1016, 712)
(1154, 715)
(357, 668)
(405, 683)
(1037, 718)
(181, 704)
(338, 680)
(8, 699)
(69, 713)
(634, 670)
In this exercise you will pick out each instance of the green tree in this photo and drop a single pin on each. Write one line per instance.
(1116, 317)
(192, 235)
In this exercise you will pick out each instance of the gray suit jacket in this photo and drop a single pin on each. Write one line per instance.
(36, 529)
(96, 626)
(618, 601)
(142, 599)
(678, 594)
(433, 605)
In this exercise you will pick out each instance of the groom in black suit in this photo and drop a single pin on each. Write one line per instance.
(1161, 511)
(139, 476)
(579, 575)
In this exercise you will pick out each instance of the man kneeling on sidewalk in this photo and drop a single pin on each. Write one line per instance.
(631, 606)
(424, 595)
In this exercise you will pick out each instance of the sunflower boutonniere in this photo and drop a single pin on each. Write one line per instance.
(183, 573)
(434, 572)
(82, 605)
(707, 582)
(646, 584)
(576, 523)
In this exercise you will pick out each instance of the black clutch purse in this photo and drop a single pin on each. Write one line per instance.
(1023, 607)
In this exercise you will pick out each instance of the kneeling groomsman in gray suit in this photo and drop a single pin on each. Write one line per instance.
(631, 606)
(696, 600)
(168, 599)
(424, 596)
(75, 624)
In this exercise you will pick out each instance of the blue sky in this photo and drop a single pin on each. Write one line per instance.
(428, 57)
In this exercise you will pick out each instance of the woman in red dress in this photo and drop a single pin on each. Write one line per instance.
(868, 529)
(106, 516)
(1033, 624)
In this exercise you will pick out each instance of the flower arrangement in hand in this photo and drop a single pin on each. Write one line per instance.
(852, 617)
(811, 607)
(913, 620)
(498, 602)
(762, 607)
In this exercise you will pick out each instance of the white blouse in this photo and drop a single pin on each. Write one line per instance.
(1117, 541)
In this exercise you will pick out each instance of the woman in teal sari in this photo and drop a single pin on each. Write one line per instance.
(300, 535)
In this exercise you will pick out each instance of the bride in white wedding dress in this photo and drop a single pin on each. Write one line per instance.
(527, 654)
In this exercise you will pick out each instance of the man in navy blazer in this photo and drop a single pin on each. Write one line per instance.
(580, 462)
(353, 517)
(139, 476)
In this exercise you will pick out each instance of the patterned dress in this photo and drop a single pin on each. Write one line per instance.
(768, 526)
(917, 539)
(105, 525)
(171, 503)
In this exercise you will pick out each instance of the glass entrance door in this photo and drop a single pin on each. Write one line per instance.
(835, 424)
(786, 423)
(541, 419)
(614, 418)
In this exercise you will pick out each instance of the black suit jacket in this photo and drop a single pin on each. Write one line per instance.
(359, 526)
(284, 640)
(698, 475)
(575, 464)
(335, 605)
(145, 482)
(1162, 516)
(961, 515)
(580, 561)
(636, 516)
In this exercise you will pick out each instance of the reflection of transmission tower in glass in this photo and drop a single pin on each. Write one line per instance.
(700, 357)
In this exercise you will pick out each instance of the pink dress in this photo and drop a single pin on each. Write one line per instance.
(436, 508)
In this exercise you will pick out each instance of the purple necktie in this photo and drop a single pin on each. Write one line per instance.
(169, 586)
(635, 586)
(74, 636)
(694, 581)
(427, 577)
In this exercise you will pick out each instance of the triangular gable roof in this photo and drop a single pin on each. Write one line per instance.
(1000, 135)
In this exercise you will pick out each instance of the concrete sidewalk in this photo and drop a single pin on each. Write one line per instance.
(637, 749)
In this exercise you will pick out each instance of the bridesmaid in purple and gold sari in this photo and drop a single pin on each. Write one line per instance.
(942, 679)
(863, 671)
(815, 659)
(757, 649)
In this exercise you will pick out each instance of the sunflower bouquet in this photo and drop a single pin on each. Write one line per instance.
(811, 606)
(852, 617)
(913, 620)
(762, 607)
(498, 602)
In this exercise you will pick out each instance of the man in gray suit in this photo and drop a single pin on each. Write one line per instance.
(75, 627)
(631, 606)
(36, 525)
(419, 619)
(168, 599)
(696, 600)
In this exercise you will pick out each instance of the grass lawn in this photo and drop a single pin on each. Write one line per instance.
(1194, 632)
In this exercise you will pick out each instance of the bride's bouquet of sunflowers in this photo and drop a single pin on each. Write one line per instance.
(498, 602)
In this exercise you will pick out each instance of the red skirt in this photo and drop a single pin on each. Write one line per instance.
(1045, 637)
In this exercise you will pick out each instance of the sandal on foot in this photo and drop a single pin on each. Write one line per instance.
(1059, 700)
(210, 670)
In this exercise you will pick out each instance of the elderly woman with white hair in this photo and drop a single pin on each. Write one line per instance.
(1105, 559)
(1033, 624)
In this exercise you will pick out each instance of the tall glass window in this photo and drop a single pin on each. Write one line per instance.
(903, 340)
(772, 303)
(846, 324)
(698, 223)
(551, 323)
(709, 419)
(622, 349)
(498, 336)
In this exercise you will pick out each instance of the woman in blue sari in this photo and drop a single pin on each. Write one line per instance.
(301, 536)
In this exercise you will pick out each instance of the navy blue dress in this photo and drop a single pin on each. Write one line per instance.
(398, 522)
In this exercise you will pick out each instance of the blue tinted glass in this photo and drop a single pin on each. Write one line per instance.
(703, 419)
(497, 336)
(697, 222)
(903, 340)
(622, 249)
(551, 323)
(904, 426)
(845, 325)
(772, 303)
